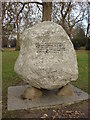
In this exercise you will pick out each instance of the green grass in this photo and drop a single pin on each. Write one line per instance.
(82, 82)
(10, 77)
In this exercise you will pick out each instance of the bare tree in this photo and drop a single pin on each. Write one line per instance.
(7, 18)
(68, 14)
(62, 13)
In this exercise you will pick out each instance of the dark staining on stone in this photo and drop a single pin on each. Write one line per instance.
(50, 47)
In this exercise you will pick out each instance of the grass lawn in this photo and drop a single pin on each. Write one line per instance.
(82, 58)
(10, 77)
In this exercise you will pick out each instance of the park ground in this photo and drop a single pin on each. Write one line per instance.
(77, 110)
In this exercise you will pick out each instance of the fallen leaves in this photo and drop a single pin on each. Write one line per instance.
(44, 116)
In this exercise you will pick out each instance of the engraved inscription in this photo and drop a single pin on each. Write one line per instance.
(47, 47)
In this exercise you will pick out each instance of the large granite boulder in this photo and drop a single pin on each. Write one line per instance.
(47, 58)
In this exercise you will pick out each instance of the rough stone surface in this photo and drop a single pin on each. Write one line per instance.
(31, 93)
(47, 58)
(65, 91)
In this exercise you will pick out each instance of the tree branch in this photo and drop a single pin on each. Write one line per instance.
(67, 10)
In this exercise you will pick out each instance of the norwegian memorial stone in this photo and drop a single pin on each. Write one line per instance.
(47, 57)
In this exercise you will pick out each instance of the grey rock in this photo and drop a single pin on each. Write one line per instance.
(31, 93)
(47, 57)
(66, 91)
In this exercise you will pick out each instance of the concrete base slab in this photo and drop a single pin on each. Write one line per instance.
(49, 98)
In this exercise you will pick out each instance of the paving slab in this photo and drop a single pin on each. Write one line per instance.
(49, 98)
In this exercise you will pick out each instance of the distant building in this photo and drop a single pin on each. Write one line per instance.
(9, 41)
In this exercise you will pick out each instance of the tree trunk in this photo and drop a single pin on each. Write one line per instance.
(69, 32)
(88, 27)
(18, 32)
(47, 11)
(63, 23)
